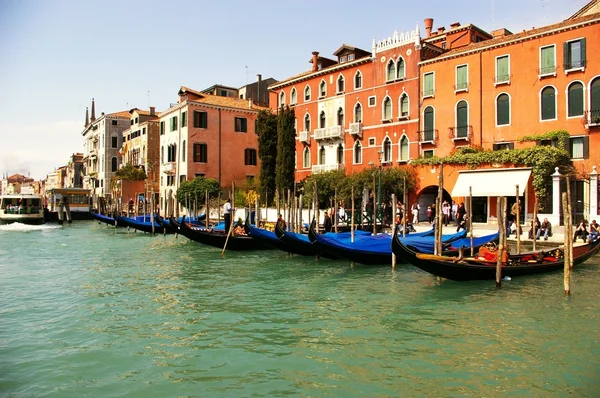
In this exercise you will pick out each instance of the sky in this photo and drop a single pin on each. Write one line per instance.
(56, 55)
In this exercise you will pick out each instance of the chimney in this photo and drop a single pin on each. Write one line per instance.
(315, 61)
(428, 26)
(87, 117)
(441, 30)
(454, 25)
(93, 111)
(152, 111)
(500, 32)
(250, 103)
(259, 78)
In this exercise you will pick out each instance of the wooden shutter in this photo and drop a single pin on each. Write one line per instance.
(586, 147)
(566, 63)
(583, 52)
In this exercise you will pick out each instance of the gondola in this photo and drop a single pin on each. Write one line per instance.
(113, 222)
(483, 267)
(264, 236)
(217, 238)
(173, 228)
(143, 224)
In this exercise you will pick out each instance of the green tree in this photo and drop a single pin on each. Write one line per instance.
(266, 129)
(130, 172)
(286, 149)
(195, 190)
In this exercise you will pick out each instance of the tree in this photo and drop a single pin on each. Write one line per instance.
(266, 129)
(130, 172)
(286, 149)
(195, 190)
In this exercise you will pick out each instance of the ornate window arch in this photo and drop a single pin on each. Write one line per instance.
(293, 96)
(282, 98)
(307, 93)
(390, 70)
(400, 68)
(306, 158)
(307, 122)
(387, 149)
(386, 108)
(358, 113)
(358, 80)
(403, 148)
(357, 152)
(341, 84)
(404, 106)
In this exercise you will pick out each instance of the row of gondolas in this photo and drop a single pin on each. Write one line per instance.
(362, 247)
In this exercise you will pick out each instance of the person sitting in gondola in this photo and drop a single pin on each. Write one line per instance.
(594, 231)
(581, 231)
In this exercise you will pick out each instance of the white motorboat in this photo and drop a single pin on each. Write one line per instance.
(22, 208)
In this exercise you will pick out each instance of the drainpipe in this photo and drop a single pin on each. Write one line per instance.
(480, 101)
(219, 147)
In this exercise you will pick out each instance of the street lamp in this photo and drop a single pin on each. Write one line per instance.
(380, 153)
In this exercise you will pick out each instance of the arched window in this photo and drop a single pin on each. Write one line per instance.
(357, 152)
(358, 80)
(307, 93)
(403, 149)
(340, 154)
(548, 103)
(387, 108)
(387, 150)
(322, 155)
(503, 110)
(340, 117)
(391, 71)
(293, 96)
(575, 99)
(404, 105)
(113, 164)
(282, 99)
(306, 158)
(400, 69)
(358, 113)
(428, 123)
(340, 84)
(307, 122)
(183, 149)
(322, 89)
(462, 119)
(595, 101)
(322, 120)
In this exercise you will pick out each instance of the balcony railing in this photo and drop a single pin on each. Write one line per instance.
(569, 65)
(356, 129)
(502, 79)
(328, 132)
(592, 117)
(462, 132)
(168, 168)
(547, 70)
(463, 86)
(320, 168)
(427, 136)
(304, 136)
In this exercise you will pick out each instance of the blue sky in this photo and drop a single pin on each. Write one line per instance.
(56, 55)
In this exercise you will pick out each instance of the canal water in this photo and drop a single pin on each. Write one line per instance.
(87, 310)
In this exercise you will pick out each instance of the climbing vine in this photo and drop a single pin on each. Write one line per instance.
(561, 137)
(542, 160)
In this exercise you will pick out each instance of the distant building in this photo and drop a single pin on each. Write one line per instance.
(74, 171)
(258, 91)
(12, 184)
(221, 91)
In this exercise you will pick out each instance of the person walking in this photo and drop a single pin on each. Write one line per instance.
(460, 215)
(227, 215)
(415, 212)
(327, 223)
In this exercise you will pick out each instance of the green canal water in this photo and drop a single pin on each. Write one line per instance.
(90, 311)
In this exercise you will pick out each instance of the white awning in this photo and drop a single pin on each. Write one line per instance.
(492, 182)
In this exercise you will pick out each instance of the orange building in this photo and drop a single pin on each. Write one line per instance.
(493, 92)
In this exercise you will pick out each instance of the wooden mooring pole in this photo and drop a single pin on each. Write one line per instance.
(501, 214)
(567, 239)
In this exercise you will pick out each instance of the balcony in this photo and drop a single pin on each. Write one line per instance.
(592, 118)
(547, 71)
(304, 136)
(502, 79)
(321, 168)
(168, 168)
(461, 133)
(427, 136)
(328, 133)
(356, 129)
(460, 87)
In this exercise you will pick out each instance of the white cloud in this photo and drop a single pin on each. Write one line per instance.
(38, 149)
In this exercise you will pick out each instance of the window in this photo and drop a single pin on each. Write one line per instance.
(340, 154)
(184, 119)
(579, 147)
(390, 71)
(241, 125)
(428, 85)
(548, 103)
(137, 120)
(114, 141)
(307, 122)
(113, 122)
(322, 89)
(162, 154)
(113, 164)
(200, 119)
(307, 93)
(574, 54)
(387, 150)
(322, 120)
(372, 141)
(504, 146)
(428, 153)
(462, 120)
(172, 153)
(502, 110)
(350, 57)
(403, 149)
(595, 102)
(358, 80)
(340, 84)
(400, 68)
(250, 157)
(340, 117)
(502, 69)
(174, 123)
(372, 101)
(428, 123)
(387, 109)
(322, 155)
(575, 99)
(293, 96)
(200, 153)
(357, 152)
(462, 78)
(547, 61)
(282, 99)
(404, 106)
(162, 128)
(343, 59)
(183, 150)
(306, 158)
(358, 113)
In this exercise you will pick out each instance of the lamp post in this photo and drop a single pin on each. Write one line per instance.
(380, 153)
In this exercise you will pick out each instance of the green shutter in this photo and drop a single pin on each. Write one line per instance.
(583, 53)
(428, 84)
(566, 61)
(461, 77)
(502, 74)
(428, 124)
(548, 104)
(404, 148)
(462, 116)
(586, 147)
(548, 65)
(575, 106)
(502, 110)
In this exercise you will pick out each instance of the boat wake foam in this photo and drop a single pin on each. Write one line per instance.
(20, 227)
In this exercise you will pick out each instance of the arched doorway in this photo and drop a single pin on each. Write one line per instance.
(427, 197)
